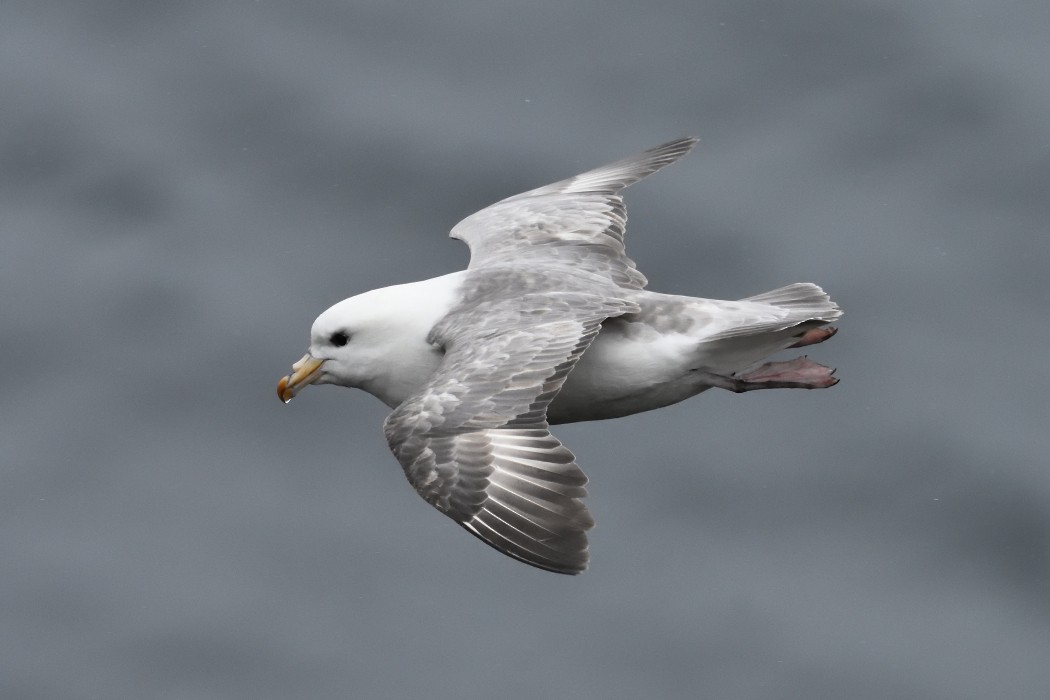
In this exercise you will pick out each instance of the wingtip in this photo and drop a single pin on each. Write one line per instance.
(669, 152)
(680, 145)
(573, 565)
(614, 177)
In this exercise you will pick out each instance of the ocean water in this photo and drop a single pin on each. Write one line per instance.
(185, 186)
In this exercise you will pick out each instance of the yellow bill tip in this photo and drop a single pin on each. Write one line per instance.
(305, 371)
(282, 390)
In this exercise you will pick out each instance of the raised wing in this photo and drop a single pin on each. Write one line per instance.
(577, 223)
(474, 442)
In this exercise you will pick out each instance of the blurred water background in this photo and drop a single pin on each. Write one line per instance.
(185, 185)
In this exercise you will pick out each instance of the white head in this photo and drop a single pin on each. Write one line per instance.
(376, 341)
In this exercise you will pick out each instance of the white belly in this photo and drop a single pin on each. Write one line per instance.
(627, 372)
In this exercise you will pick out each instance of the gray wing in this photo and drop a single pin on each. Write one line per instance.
(474, 442)
(577, 223)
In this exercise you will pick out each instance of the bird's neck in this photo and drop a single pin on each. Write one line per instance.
(407, 361)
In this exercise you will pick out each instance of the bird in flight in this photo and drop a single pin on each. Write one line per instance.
(550, 323)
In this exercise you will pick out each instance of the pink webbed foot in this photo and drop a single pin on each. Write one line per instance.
(814, 336)
(800, 373)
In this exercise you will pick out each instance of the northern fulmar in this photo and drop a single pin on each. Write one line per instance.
(550, 323)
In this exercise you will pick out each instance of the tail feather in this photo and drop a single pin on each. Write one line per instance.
(767, 323)
(804, 299)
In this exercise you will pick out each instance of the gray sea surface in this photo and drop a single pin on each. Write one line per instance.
(184, 186)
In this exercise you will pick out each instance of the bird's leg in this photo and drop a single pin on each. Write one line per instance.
(814, 336)
(800, 373)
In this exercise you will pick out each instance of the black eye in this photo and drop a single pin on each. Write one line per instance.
(339, 339)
